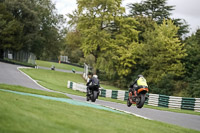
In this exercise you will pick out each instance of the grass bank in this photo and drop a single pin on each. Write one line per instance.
(33, 91)
(24, 114)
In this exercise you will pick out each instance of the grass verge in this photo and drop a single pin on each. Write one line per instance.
(57, 65)
(70, 67)
(33, 91)
(30, 114)
(55, 80)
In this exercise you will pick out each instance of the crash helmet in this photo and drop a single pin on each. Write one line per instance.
(139, 76)
(95, 76)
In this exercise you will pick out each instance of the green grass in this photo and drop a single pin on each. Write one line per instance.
(69, 67)
(57, 65)
(33, 91)
(55, 80)
(30, 114)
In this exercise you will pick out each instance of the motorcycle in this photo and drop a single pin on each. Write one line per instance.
(93, 95)
(139, 99)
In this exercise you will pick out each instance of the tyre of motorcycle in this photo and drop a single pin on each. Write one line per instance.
(94, 96)
(129, 103)
(140, 101)
(87, 98)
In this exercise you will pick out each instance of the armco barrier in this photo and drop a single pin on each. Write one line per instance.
(103, 93)
(114, 94)
(197, 104)
(175, 102)
(126, 96)
(121, 95)
(188, 103)
(154, 99)
(163, 101)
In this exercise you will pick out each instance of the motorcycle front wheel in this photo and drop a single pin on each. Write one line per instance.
(129, 103)
(141, 100)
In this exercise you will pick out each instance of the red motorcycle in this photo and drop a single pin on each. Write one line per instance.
(138, 98)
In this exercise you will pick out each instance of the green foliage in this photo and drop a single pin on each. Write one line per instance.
(10, 30)
(162, 52)
(109, 36)
(32, 26)
(144, 24)
(165, 86)
(94, 20)
(72, 46)
(158, 10)
(192, 64)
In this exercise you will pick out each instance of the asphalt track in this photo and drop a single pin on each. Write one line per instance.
(9, 74)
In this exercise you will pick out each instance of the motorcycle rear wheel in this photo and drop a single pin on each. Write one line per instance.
(87, 98)
(94, 96)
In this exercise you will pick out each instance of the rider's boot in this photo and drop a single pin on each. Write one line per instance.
(88, 92)
(135, 93)
(130, 96)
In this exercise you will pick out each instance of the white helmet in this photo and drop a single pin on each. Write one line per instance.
(95, 76)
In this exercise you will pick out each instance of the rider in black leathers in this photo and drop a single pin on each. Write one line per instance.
(93, 83)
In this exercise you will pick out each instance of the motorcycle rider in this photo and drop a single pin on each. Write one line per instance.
(140, 82)
(94, 83)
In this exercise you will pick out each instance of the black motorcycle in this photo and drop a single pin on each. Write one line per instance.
(93, 94)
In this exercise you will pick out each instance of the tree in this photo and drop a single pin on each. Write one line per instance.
(158, 10)
(72, 46)
(107, 35)
(162, 52)
(93, 22)
(40, 30)
(10, 30)
(144, 24)
(23, 11)
(51, 32)
(192, 64)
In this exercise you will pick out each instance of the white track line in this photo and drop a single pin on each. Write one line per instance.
(18, 68)
(82, 101)
(129, 113)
